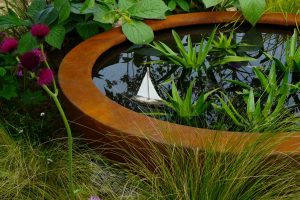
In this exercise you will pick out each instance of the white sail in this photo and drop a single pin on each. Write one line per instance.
(147, 92)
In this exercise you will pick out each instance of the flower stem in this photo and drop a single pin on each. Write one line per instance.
(70, 138)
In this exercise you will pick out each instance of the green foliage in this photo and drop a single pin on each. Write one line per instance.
(193, 57)
(259, 117)
(183, 4)
(56, 36)
(64, 9)
(186, 108)
(187, 58)
(30, 171)
(210, 3)
(222, 171)
(128, 14)
(284, 6)
(224, 44)
(35, 7)
(252, 10)
(293, 52)
(8, 82)
(27, 43)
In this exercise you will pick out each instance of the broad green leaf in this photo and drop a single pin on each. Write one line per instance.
(87, 29)
(210, 3)
(76, 8)
(9, 21)
(64, 9)
(138, 32)
(88, 4)
(27, 43)
(253, 9)
(104, 15)
(125, 4)
(172, 5)
(46, 16)
(184, 5)
(149, 9)
(35, 7)
(56, 36)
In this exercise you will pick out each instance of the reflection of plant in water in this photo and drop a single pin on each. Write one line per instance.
(188, 58)
(226, 44)
(185, 107)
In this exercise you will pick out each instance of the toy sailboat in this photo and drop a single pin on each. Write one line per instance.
(147, 93)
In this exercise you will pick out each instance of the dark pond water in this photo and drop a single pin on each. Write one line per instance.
(120, 71)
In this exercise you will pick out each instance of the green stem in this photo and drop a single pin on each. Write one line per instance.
(70, 138)
(47, 65)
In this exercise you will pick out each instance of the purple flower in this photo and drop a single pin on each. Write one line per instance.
(40, 30)
(45, 77)
(8, 45)
(30, 60)
(94, 198)
(39, 53)
(20, 70)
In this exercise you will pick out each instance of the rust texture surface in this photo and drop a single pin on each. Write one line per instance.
(101, 116)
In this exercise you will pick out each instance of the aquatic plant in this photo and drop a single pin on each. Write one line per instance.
(271, 116)
(185, 107)
(224, 43)
(271, 83)
(188, 58)
(194, 56)
(293, 52)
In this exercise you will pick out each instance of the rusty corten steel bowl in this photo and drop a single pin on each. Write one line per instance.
(106, 122)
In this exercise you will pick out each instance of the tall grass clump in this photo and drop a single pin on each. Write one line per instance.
(30, 171)
(285, 6)
(254, 172)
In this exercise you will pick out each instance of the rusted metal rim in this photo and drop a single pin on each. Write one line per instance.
(103, 115)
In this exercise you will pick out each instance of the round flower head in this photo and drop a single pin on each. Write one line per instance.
(8, 45)
(39, 53)
(40, 30)
(45, 77)
(30, 60)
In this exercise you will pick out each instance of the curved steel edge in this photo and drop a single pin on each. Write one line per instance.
(98, 113)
